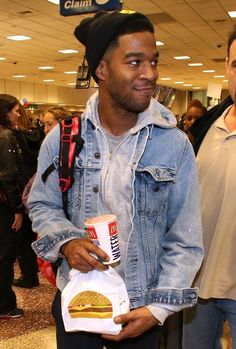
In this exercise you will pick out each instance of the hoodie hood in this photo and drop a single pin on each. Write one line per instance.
(155, 114)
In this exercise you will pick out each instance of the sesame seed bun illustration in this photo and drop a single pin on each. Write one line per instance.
(90, 304)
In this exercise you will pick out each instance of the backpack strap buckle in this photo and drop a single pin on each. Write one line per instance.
(64, 184)
(66, 138)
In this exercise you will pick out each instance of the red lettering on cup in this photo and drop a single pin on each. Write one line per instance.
(112, 228)
(92, 233)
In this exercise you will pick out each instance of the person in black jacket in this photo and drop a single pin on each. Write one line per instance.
(29, 140)
(200, 127)
(11, 209)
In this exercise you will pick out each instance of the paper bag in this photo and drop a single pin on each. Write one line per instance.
(90, 301)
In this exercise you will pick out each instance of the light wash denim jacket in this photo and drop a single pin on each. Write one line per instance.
(164, 249)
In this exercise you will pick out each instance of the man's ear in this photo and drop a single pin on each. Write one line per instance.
(101, 70)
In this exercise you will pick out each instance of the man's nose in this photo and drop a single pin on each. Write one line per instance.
(149, 72)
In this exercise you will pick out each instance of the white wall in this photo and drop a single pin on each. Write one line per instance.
(48, 94)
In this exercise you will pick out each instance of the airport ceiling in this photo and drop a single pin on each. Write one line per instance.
(195, 28)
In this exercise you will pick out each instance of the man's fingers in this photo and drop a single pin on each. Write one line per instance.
(122, 319)
(16, 226)
(116, 338)
(99, 252)
(93, 255)
(84, 255)
(84, 261)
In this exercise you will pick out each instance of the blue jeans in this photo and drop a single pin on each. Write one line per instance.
(203, 324)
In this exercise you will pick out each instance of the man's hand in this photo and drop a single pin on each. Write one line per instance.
(136, 322)
(78, 253)
(17, 221)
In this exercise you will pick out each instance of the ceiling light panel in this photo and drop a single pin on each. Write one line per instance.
(68, 51)
(232, 14)
(195, 64)
(46, 68)
(56, 2)
(181, 57)
(19, 37)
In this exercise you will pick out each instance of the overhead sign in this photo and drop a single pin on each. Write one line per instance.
(76, 7)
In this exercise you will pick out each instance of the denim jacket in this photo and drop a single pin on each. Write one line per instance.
(164, 249)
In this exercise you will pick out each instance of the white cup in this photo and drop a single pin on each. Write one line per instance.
(103, 232)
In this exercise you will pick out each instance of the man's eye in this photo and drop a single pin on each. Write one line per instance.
(135, 62)
(154, 63)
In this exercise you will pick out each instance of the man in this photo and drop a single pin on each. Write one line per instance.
(136, 165)
(216, 141)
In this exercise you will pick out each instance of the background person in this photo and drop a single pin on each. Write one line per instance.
(215, 146)
(29, 139)
(195, 110)
(53, 116)
(12, 181)
(132, 165)
(27, 262)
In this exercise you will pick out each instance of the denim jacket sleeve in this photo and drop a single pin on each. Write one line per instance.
(45, 205)
(183, 240)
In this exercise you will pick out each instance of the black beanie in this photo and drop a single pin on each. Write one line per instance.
(97, 33)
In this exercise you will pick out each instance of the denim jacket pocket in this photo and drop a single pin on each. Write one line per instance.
(154, 188)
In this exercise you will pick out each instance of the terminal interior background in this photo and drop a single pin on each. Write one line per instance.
(40, 76)
(36, 72)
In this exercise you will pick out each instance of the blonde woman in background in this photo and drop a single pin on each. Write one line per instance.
(26, 256)
(53, 116)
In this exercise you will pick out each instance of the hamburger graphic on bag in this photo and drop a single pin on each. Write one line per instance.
(90, 301)
(90, 304)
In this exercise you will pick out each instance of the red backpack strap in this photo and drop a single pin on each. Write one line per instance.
(71, 144)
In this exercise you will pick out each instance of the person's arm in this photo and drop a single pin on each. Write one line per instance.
(183, 239)
(18, 219)
(136, 322)
(10, 171)
(182, 257)
(56, 233)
